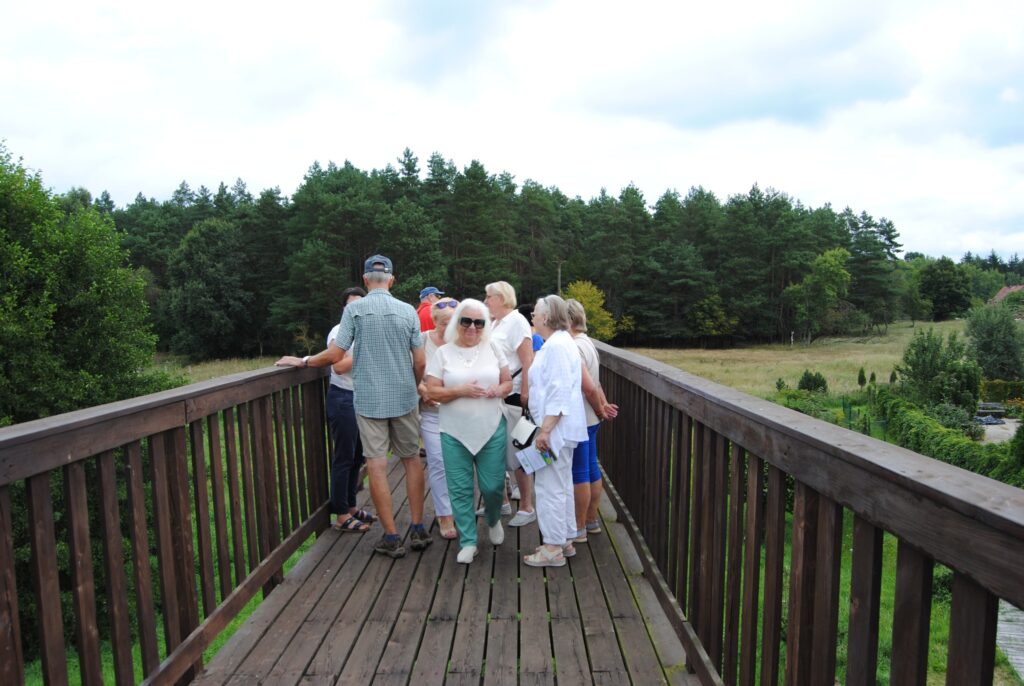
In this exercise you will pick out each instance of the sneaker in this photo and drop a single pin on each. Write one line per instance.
(390, 545)
(419, 538)
(514, 491)
(496, 534)
(466, 555)
(568, 550)
(506, 510)
(523, 518)
(580, 537)
(594, 527)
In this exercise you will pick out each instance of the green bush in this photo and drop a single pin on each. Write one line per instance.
(812, 382)
(998, 391)
(955, 417)
(807, 402)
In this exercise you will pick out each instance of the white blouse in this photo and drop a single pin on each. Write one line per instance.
(430, 348)
(471, 421)
(556, 379)
(592, 363)
(508, 334)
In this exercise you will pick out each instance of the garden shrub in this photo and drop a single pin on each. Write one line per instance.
(999, 391)
(812, 382)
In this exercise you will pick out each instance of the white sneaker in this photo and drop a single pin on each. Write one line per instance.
(523, 518)
(568, 550)
(496, 534)
(506, 510)
(514, 492)
(466, 555)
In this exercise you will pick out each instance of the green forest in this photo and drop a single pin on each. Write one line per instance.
(91, 289)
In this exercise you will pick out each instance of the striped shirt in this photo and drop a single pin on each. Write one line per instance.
(387, 330)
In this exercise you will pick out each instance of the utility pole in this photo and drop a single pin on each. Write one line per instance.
(559, 292)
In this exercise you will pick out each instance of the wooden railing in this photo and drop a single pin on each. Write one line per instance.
(140, 478)
(707, 475)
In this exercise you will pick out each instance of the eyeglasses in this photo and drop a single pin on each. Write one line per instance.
(466, 322)
(446, 303)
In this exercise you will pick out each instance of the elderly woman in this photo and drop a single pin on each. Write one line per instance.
(441, 313)
(512, 334)
(586, 473)
(469, 377)
(348, 451)
(556, 404)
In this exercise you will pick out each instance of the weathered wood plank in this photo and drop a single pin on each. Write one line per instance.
(12, 667)
(83, 589)
(752, 570)
(219, 511)
(865, 593)
(141, 574)
(235, 494)
(972, 633)
(202, 518)
(535, 649)
(800, 629)
(113, 565)
(45, 581)
(826, 591)
(912, 616)
(164, 541)
(775, 531)
(734, 566)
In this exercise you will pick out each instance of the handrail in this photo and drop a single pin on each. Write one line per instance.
(729, 456)
(250, 446)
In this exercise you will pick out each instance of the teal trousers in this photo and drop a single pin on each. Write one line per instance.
(459, 464)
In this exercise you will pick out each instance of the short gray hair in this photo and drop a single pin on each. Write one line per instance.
(577, 315)
(556, 314)
(378, 277)
(451, 333)
(504, 290)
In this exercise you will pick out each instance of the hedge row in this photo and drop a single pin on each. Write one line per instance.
(998, 391)
(911, 428)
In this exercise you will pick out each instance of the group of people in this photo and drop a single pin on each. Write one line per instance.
(459, 375)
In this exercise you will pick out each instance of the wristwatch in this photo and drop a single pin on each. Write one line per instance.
(305, 361)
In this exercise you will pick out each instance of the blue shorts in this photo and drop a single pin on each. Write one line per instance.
(585, 469)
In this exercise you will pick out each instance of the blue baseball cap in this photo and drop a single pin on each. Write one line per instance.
(377, 263)
(430, 290)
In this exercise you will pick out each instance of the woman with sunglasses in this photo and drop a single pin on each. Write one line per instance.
(468, 376)
(440, 314)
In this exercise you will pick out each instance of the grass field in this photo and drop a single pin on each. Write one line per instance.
(756, 368)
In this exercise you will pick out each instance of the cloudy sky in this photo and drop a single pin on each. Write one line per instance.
(911, 110)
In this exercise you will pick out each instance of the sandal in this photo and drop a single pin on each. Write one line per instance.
(448, 530)
(364, 516)
(351, 525)
(544, 558)
(594, 527)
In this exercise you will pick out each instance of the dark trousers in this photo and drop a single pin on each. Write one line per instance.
(348, 450)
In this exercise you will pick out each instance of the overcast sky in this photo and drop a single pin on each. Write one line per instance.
(908, 110)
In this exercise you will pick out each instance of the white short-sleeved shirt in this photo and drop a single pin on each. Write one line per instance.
(592, 363)
(430, 349)
(339, 380)
(556, 389)
(471, 421)
(508, 334)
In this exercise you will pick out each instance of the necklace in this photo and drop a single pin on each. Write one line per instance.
(470, 361)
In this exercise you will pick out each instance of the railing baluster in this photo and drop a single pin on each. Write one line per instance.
(752, 569)
(734, 595)
(248, 487)
(775, 530)
(140, 558)
(912, 616)
(83, 588)
(164, 542)
(716, 586)
(235, 495)
(219, 514)
(12, 669)
(44, 580)
(264, 467)
(826, 591)
(280, 483)
(312, 409)
(181, 532)
(693, 604)
(202, 518)
(972, 634)
(682, 505)
(800, 629)
(865, 591)
(117, 584)
(301, 463)
(289, 443)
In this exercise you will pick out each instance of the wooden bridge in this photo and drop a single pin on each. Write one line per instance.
(744, 544)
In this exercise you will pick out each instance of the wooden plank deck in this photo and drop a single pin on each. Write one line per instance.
(346, 616)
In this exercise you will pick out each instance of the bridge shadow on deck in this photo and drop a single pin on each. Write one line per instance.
(345, 615)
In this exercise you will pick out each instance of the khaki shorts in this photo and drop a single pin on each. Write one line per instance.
(512, 415)
(401, 434)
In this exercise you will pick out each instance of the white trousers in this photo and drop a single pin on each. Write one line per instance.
(556, 506)
(430, 431)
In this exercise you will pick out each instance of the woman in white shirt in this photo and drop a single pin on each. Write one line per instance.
(556, 403)
(469, 377)
(511, 332)
(440, 313)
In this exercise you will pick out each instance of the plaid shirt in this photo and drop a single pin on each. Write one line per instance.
(387, 330)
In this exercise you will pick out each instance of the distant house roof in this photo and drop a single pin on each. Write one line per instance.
(1005, 291)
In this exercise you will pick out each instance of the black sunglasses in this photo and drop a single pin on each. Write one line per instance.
(466, 322)
(446, 303)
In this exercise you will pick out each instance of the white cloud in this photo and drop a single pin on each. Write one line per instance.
(909, 110)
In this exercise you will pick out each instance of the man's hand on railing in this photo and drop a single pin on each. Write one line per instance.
(609, 411)
(291, 361)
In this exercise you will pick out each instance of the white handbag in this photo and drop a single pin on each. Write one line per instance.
(524, 431)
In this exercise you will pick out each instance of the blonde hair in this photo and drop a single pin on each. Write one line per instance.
(451, 332)
(504, 290)
(577, 315)
(556, 314)
(436, 312)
